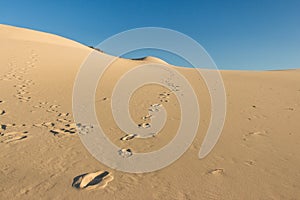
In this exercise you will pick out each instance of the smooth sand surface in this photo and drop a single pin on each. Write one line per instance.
(41, 155)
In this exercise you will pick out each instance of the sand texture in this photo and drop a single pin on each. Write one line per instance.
(42, 157)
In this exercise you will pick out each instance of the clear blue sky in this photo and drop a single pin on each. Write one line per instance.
(240, 34)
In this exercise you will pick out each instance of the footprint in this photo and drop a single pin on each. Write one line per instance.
(128, 137)
(155, 107)
(164, 97)
(172, 86)
(250, 162)
(53, 108)
(40, 105)
(254, 133)
(63, 120)
(1, 101)
(218, 171)
(88, 181)
(164, 100)
(56, 131)
(147, 117)
(69, 128)
(290, 108)
(83, 128)
(63, 114)
(12, 137)
(125, 153)
(5, 126)
(144, 125)
(45, 124)
(257, 133)
(2, 112)
(20, 96)
(102, 99)
(63, 131)
(72, 125)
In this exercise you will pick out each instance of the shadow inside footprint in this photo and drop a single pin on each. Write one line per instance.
(92, 180)
(76, 181)
(97, 179)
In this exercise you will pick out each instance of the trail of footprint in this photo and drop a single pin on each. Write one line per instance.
(67, 128)
(171, 85)
(89, 181)
(12, 137)
(17, 73)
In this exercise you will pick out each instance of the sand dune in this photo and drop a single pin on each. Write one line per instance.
(256, 156)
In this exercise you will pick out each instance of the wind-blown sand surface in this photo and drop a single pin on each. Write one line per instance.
(256, 157)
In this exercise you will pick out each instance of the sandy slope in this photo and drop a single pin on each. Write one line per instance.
(255, 158)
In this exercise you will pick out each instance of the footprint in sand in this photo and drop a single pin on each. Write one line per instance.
(63, 114)
(2, 112)
(155, 107)
(63, 130)
(53, 108)
(128, 137)
(40, 105)
(63, 120)
(218, 171)
(144, 125)
(22, 90)
(84, 128)
(147, 117)
(250, 162)
(5, 126)
(89, 181)
(11, 137)
(164, 97)
(1, 101)
(125, 153)
(56, 131)
(251, 134)
(8, 126)
(45, 124)
(68, 128)
(290, 109)
(62, 127)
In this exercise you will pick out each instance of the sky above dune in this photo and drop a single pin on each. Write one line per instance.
(248, 35)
